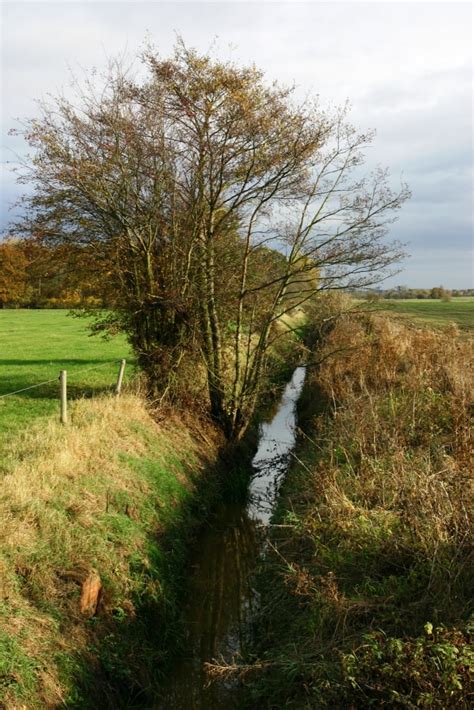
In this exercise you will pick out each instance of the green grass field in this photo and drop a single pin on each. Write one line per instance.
(35, 346)
(435, 312)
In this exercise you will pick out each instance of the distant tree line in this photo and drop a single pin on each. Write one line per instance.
(403, 292)
(35, 275)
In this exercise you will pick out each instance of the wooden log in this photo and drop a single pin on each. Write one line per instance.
(90, 595)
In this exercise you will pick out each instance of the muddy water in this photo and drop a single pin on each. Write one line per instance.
(221, 596)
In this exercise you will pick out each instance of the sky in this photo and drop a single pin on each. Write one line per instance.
(405, 67)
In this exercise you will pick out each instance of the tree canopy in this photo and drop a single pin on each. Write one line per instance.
(214, 203)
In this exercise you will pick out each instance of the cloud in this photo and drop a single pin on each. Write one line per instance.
(406, 67)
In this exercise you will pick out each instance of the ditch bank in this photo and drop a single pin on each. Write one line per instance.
(366, 588)
(96, 524)
(106, 521)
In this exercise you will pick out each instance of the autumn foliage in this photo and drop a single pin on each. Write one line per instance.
(35, 275)
(208, 204)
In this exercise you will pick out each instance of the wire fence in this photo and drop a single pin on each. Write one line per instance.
(31, 387)
(56, 379)
(62, 380)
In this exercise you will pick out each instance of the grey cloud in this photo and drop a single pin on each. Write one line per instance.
(405, 67)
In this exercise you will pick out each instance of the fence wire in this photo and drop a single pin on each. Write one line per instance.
(56, 379)
(31, 387)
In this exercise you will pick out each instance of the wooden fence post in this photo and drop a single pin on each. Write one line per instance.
(63, 395)
(118, 387)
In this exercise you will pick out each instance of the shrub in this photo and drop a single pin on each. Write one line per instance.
(433, 670)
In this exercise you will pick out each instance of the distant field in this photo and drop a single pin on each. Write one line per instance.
(434, 312)
(34, 346)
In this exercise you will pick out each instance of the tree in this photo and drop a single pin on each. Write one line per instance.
(13, 273)
(217, 204)
(62, 274)
(440, 293)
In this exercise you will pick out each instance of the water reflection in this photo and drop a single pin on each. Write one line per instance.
(271, 460)
(222, 598)
(219, 609)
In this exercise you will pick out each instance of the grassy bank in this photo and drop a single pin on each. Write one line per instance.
(110, 500)
(113, 497)
(367, 587)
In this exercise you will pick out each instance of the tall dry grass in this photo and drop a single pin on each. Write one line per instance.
(367, 598)
(402, 406)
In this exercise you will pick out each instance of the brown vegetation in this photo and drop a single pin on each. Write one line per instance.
(33, 275)
(376, 550)
(13, 274)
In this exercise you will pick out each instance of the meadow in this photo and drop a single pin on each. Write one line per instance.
(435, 312)
(35, 346)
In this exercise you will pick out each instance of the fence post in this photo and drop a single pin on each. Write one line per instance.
(118, 386)
(63, 395)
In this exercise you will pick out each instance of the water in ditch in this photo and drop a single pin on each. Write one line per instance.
(221, 595)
